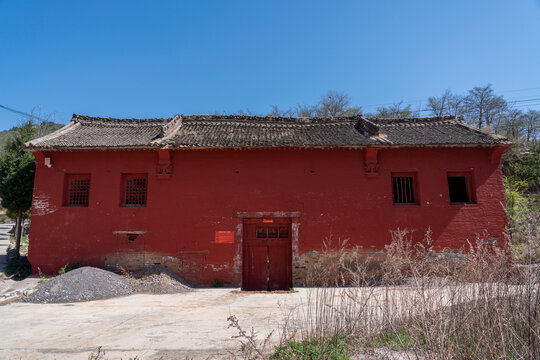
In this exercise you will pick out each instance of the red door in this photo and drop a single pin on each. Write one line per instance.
(267, 254)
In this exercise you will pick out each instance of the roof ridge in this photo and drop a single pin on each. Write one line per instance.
(424, 118)
(431, 121)
(268, 123)
(169, 130)
(101, 120)
(483, 132)
(269, 119)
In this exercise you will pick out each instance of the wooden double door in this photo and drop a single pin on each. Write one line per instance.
(267, 254)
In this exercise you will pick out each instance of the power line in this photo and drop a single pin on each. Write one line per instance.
(22, 113)
(411, 102)
(525, 100)
(423, 103)
(530, 106)
(14, 111)
(522, 97)
(517, 90)
(527, 105)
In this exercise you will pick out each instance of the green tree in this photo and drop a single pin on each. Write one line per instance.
(17, 177)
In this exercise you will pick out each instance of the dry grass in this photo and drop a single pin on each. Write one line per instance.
(426, 305)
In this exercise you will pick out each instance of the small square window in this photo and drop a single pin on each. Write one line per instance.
(77, 190)
(134, 190)
(460, 188)
(404, 188)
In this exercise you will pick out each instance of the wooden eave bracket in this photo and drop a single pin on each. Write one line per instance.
(371, 163)
(164, 168)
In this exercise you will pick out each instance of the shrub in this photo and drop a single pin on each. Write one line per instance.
(523, 162)
(68, 267)
(394, 339)
(218, 283)
(523, 212)
(331, 349)
(18, 269)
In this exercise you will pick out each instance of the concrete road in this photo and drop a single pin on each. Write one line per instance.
(190, 324)
(4, 243)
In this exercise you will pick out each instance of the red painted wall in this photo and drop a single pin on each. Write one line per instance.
(328, 187)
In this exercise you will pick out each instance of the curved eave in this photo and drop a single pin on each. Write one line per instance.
(35, 143)
(449, 145)
(306, 147)
(385, 144)
(33, 149)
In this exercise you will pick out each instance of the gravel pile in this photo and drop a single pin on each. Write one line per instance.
(83, 284)
(158, 280)
(89, 283)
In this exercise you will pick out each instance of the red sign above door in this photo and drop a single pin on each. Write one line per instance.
(224, 237)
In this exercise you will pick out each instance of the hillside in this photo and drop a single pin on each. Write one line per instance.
(42, 129)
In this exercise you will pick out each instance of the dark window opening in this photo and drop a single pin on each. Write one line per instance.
(272, 232)
(78, 190)
(459, 189)
(269, 232)
(132, 237)
(403, 186)
(134, 193)
(261, 233)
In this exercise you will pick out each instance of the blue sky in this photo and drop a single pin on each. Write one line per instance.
(158, 58)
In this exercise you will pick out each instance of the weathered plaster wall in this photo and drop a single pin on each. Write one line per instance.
(208, 189)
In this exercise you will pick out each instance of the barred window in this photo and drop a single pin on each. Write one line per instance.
(404, 188)
(134, 192)
(266, 232)
(77, 190)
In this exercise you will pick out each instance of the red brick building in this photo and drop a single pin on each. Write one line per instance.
(242, 199)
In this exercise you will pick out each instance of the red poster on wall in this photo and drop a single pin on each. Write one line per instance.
(224, 237)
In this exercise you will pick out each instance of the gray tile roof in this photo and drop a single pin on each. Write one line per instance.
(230, 131)
(435, 131)
(249, 131)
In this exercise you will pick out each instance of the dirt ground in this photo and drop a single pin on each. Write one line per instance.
(188, 325)
(10, 287)
(174, 326)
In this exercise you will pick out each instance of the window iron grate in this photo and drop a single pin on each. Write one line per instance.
(403, 187)
(79, 190)
(135, 191)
